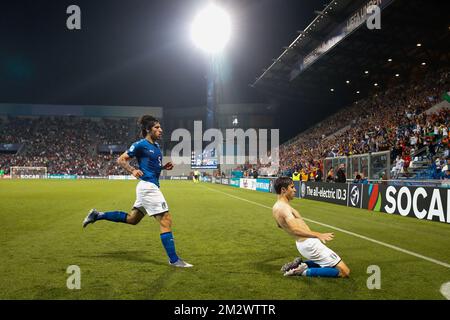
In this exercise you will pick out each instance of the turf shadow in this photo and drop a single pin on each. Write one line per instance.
(269, 266)
(135, 256)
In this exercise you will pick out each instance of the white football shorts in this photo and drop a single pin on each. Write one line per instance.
(313, 249)
(149, 199)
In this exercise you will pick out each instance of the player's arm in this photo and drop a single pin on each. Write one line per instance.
(297, 228)
(124, 162)
(168, 166)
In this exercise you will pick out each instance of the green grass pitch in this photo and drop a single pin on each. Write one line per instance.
(235, 246)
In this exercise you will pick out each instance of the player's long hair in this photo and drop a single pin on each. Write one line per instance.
(146, 122)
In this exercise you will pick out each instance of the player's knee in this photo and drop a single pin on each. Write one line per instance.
(167, 220)
(166, 224)
(132, 220)
(344, 272)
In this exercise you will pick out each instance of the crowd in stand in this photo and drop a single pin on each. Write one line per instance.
(391, 120)
(65, 145)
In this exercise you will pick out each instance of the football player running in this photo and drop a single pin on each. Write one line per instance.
(149, 198)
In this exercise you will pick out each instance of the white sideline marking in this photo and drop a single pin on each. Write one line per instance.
(445, 290)
(351, 233)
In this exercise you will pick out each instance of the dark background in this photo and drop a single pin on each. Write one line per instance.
(139, 53)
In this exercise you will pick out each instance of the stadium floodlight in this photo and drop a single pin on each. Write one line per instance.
(397, 75)
(211, 28)
(332, 90)
(357, 92)
(419, 44)
(348, 81)
(390, 60)
(366, 72)
(424, 63)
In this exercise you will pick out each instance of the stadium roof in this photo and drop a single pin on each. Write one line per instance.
(335, 56)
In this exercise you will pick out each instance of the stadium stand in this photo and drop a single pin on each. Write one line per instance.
(392, 80)
(65, 144)
(395, 120)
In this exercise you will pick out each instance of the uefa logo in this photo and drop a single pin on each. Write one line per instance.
(354, 196)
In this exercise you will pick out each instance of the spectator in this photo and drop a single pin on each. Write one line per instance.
(340, 174)
(330, 176)
(319, 175)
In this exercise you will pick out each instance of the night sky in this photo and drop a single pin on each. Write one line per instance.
(137, 52)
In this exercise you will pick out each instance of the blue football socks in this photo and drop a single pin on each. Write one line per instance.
(115, 216)
(312, 264)
(322, 272)
(169, 245)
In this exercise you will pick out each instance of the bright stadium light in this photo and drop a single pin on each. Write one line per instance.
(211, 28)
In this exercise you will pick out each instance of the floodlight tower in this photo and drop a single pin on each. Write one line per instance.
(210, 31)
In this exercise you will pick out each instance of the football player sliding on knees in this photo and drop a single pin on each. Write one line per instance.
(321, 260)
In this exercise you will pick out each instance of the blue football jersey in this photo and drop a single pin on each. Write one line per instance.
(149, 157)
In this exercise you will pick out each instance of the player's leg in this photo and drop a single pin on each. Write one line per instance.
(135, 216)
(119, 216)
(114, 216)
(344, 271)
(154, 204)
(322, 261)
(165, 226)
(165, 221)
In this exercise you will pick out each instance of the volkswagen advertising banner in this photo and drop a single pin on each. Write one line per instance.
(355, 195)
(329, 192)
(424, 203)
